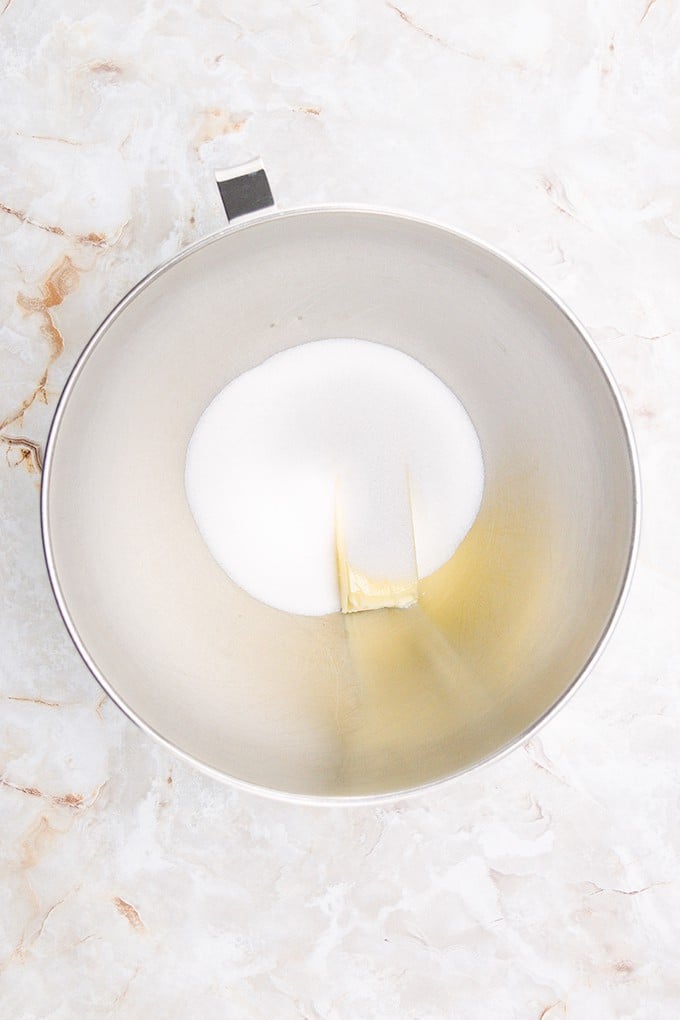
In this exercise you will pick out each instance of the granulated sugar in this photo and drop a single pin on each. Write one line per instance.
(333, 427)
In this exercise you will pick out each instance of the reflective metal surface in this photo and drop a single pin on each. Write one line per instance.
(380, 703)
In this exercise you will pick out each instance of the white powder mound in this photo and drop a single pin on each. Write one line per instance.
(274, 448)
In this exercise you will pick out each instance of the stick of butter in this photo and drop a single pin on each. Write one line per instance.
(375, 543)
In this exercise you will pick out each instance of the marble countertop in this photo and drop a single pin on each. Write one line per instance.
(542, 887)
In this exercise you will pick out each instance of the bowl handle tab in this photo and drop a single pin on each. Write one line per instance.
(245, 190)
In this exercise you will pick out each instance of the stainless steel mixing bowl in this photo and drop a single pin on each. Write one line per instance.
(336, 708)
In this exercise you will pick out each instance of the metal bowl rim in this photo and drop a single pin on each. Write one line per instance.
(330, 799)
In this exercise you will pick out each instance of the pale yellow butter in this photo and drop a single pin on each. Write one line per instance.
(359, 592)
(392, 578)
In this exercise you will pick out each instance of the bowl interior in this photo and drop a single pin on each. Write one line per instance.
(379, 702)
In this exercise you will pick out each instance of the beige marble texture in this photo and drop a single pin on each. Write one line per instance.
(544, 886)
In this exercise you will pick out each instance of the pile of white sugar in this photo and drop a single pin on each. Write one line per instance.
(332, 420)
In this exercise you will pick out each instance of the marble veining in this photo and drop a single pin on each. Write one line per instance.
(544, 886)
